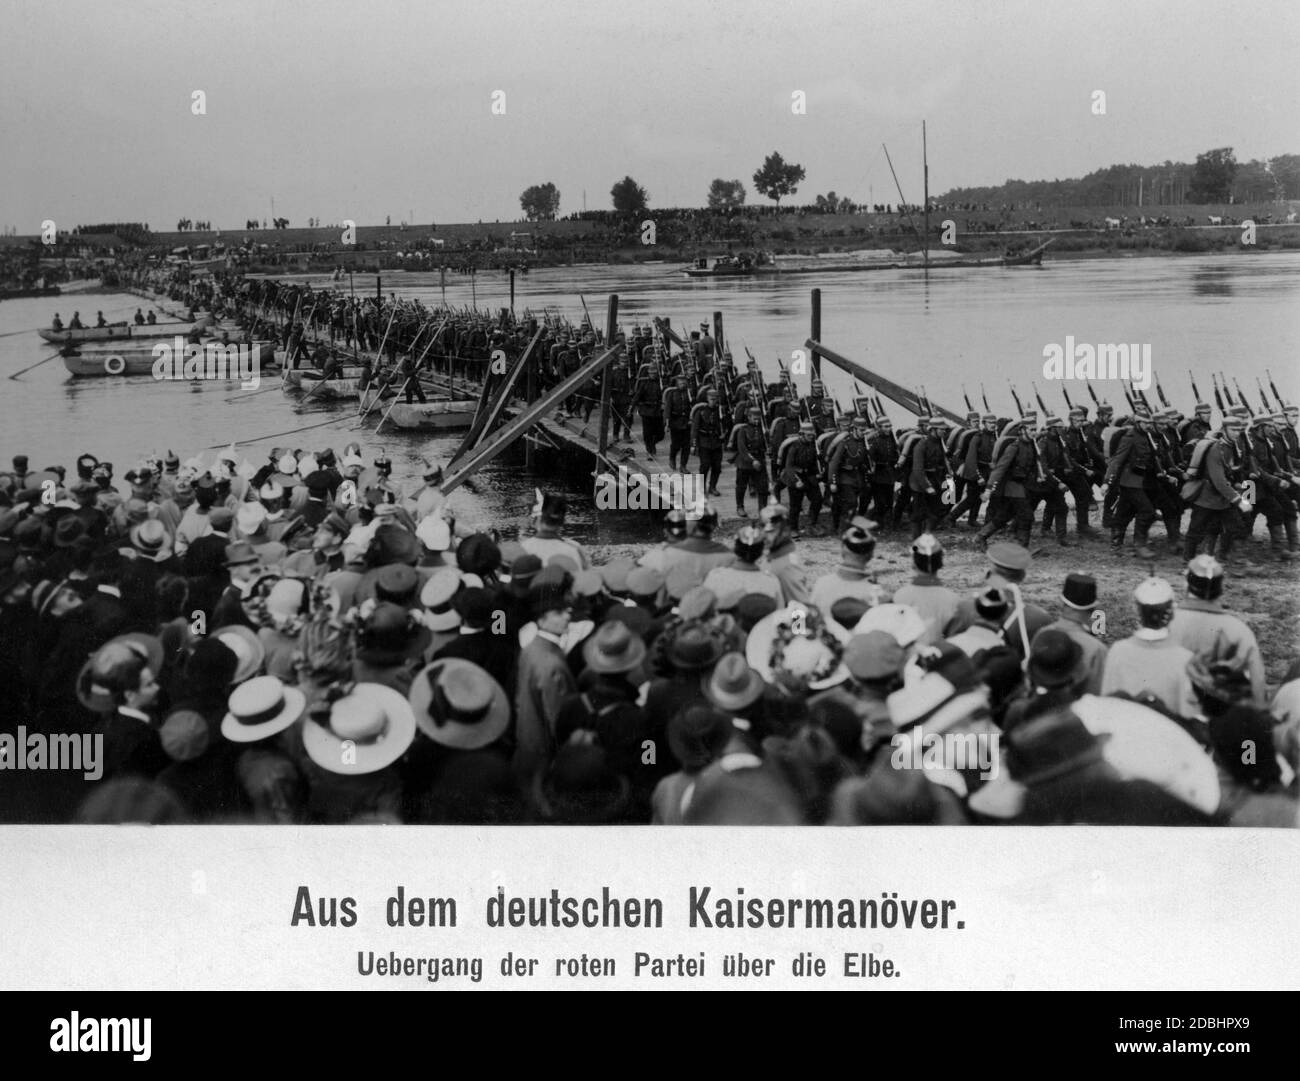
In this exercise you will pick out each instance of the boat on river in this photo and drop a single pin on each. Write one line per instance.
(214, 361)
(122, 331)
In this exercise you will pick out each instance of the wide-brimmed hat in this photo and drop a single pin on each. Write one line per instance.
(438, 596)
(733, 685)
(250, 518)
(900, 620)
(613, 649)
(457, 704)
(693, 647)
(245, 645)
(69, 528)
(94, 687)
(365, 730)
(805, 660)
(239, 553)
(150, 539)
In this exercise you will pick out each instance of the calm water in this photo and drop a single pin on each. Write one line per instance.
(1235, 314)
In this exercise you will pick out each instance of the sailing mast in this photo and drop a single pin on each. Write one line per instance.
(925, 164)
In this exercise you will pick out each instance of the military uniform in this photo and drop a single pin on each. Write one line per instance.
(849, 470)
(1132, 470)
(706, 437)
(883, 448)
(677, 414)
(929, 471)
(751, 465)
(1013, 479)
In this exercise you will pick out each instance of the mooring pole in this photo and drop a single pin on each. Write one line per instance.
(530, 392)
(606, 384)
(816, 334)
(512, 290)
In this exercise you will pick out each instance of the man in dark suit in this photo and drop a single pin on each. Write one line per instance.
(544, 680)
(245, 568)
(485, 637)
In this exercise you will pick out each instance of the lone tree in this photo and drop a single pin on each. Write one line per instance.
(1212, 176)
(726, 194)
(776, 178)
(629, 197)
(541, 202)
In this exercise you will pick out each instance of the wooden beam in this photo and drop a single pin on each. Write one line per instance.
(887, 387)
(611, 328)
(485, 418)
(527, 418)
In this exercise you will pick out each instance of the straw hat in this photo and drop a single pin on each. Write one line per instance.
(366, 730)
(457, 704)
(261, 708)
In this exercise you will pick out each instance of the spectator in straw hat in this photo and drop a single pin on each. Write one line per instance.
(353, 744)
(260, 723)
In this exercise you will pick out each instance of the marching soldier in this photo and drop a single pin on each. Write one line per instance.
(647, 398)
(1217, 503)
(751, 460)
(800, 471)
(929, 473)
(1132, 470)
(849, 471)
(1272, 487)
(677, 413)
(1170, 476)
(958, 440)
(1082, 467)
(706, 438)
(784, 426)
(906, 447)
(1012, 479)
(883, 448)
(973, 461)
(1057, 466)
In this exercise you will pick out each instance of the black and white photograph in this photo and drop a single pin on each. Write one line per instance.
(866, 429)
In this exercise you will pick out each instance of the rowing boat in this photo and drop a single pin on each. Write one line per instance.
(306, 378)
(435, 415)
(121, 332)
(215, 361)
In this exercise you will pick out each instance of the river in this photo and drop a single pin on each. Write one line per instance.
(1238, 314)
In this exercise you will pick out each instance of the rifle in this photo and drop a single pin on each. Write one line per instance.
(1160, 393)
(985, 396)
(1195, 393)
(1093, 394)
(1041, 404)
(1218, 397)
(925, 400)
(1227, 394)
(880, 407)
(1242, 396)
(1263, 398)
(966, 397)
(1068, 404)
(1280, 403)
(1016, 397)
(1132, 403)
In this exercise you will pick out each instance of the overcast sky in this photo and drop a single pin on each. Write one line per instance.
(366, 109)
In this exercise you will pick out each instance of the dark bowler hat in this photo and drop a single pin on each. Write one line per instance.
(478, 554)
(1080, 591)
(68, 530)
(847, 611)
(753, 607)
(389, 636)
(1054, 659)
(733, 685)
(240, 553)
(613, 649)
(475, 605)
(695, 646)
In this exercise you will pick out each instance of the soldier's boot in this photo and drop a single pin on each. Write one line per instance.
(1277, 544)
(1292, 536)
(1084, 529)
(1141, 549)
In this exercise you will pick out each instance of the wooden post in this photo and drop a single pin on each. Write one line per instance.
(816, 334)
(718, 345)
(530, 392)
(512, 290)
(611, 329)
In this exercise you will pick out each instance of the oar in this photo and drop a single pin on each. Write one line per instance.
(37, 364)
